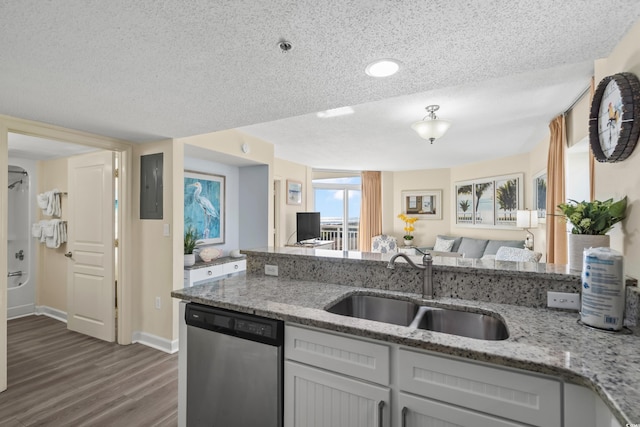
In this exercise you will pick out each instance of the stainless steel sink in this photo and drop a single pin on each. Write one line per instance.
(380, 309)
(407, 313)
(463, 323)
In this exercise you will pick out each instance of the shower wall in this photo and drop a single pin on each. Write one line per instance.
(21, 250)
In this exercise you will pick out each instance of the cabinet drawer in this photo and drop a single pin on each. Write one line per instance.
(206, 273)
(234, 267)
(513, 395)
(349, 356)
(417, 412)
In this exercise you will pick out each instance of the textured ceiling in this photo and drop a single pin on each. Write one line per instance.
(149, 69)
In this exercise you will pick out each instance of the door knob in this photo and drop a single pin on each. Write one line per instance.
(68, 254)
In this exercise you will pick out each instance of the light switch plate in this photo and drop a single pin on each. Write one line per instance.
(166, 230)
(563, 300)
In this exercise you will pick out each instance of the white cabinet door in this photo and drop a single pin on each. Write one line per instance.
(317, 398)
(512, 395)
(418, 412)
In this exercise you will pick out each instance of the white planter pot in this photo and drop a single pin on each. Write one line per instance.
(579, 242)
(408, 242)
(189, 260)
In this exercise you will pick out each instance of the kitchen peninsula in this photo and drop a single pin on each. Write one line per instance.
(542, 342)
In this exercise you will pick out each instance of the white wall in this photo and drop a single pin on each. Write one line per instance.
(255, 193)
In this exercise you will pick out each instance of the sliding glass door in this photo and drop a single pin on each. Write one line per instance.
(338, 201)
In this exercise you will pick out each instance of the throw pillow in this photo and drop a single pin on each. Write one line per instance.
(506, 253)
(472, 248)
(443, 245)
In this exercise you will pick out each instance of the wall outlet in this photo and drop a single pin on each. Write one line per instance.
(158, 303)
(270, 270)
(564, 300)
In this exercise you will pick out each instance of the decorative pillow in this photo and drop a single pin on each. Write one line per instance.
(506, 253)
(456, 241)
(494, 245)
(472, 248)
(443, 245)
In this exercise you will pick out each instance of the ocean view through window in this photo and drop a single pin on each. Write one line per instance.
(338, 201)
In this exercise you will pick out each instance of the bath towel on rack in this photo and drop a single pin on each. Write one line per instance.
(49, 202)
(59, 235)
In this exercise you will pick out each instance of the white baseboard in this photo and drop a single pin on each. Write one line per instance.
(155, 341)
(20, 311)
(54, 313)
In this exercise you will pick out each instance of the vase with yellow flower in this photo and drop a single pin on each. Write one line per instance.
(409, 227)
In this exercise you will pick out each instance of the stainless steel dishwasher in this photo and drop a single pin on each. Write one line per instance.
(234, 368)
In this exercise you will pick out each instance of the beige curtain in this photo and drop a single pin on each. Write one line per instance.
(556, 226)
(370, 209)
(592, 159)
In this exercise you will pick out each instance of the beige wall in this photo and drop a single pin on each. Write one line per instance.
(51, 285)
(504, 166)
(577, 120)
(622, 179)
(284, 170)
(433, 179)
(537, 163)
(153, 256)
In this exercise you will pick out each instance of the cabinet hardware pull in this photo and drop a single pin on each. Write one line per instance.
(404, 416)
(209, 272)
(68, 254)
(380, 413)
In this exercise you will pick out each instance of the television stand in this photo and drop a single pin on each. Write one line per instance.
(314, 244)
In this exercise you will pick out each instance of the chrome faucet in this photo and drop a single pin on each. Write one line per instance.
(426, 267)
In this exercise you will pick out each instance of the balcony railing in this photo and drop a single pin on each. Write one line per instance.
(343, 241)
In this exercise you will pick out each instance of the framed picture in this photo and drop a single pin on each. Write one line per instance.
(489, 202)
(425, 204)
(204, 206)
(540, 195)
(294, 192)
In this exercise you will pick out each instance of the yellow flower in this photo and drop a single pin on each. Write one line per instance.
(408, 221)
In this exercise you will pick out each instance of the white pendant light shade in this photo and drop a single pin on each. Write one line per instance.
(431, 127)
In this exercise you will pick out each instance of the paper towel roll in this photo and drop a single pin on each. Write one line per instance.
(603, 288)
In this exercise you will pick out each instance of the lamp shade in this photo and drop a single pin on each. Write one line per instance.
(526, 219)
(431, 129)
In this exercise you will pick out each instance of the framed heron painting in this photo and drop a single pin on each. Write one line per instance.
(204, 206)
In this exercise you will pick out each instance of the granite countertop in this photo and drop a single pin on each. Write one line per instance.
(540, 340)
(486, 266)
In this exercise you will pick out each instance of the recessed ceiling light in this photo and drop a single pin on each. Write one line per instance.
(382, 68)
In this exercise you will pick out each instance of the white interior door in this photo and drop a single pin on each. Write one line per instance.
(91, 237)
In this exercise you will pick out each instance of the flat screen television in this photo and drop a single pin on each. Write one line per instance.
(307, 226)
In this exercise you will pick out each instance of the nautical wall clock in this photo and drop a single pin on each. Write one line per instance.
(614, 122)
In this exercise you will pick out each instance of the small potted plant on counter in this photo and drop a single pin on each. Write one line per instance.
(591, 222)
(189, 246)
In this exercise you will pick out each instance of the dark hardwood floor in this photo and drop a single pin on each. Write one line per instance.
(62, 378)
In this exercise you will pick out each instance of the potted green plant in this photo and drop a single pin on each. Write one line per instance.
(591, 221)
(189, 246)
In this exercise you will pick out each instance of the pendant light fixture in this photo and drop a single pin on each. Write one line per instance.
(431, 127)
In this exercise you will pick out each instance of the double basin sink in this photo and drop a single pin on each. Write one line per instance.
(413, 315)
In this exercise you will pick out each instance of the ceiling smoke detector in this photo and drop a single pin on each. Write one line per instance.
(285, 46)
